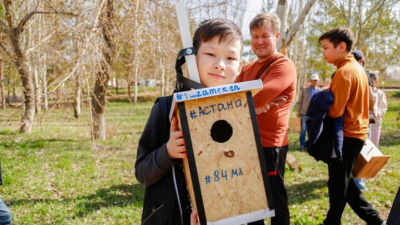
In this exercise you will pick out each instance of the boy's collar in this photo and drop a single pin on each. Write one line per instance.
(346, 58)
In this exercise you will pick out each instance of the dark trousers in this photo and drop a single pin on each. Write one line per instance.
(276, 158)
(342, 188)
(394, 215)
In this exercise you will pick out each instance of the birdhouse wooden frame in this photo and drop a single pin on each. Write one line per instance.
(370, 161)
(225, 168)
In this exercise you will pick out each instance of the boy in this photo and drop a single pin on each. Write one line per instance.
(218, 45)
(350, 90)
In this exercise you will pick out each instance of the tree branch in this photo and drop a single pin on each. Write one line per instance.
(28, 16)
(341, 10)
(388, 62)
(380, 7)
(300, 20)
(3, 22)
(5, 50)
(373, 28)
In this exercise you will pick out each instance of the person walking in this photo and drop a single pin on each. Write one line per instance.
(304, 101)
(351, 99)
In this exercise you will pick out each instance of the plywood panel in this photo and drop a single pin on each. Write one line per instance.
(230, 185)
(295, 124)
(372, 168)
(370, 161)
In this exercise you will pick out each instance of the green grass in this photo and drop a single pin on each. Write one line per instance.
(57, 175)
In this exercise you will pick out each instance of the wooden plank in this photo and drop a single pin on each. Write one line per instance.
(373, 166)
(295, 124)
(187, 40)
(292, 162)
(358, 166)
(369, 162)
(188, 177)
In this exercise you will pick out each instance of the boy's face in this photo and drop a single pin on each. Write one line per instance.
(263, 41)
(331, 53)
(218, 63)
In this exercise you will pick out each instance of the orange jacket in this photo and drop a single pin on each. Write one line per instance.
(279, 80)
(351, 97)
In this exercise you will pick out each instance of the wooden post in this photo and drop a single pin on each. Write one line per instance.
(187, 41)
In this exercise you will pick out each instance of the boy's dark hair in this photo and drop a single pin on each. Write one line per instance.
(219, 27)
(338, 35)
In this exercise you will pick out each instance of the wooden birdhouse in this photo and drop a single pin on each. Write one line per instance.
(225, 168)
(370, 161)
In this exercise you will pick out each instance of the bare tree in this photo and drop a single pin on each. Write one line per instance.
(288, 32)
(21, 64)
(15, 30)
(100, 88)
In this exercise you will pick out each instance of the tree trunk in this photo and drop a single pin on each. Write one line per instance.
(38, 91)
(99, 103)
(13, 87)
(102, 76)
(3, 99)
(288, 34)
(116, 85)
(22, 67)
(44, 80)
(162, 68)
(28, 91)
(136, 53)
(129, 90)
(78, 96)
(282, 12)
(136, 79)
(167, 83)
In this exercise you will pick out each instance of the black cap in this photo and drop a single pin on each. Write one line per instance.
(358, 54)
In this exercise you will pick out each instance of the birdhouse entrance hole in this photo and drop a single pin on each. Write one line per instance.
(221, 131)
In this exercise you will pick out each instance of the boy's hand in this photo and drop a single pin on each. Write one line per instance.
(176, 144)
(193, 218)
(264, 109)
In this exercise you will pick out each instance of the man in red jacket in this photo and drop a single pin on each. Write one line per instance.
(273, 104)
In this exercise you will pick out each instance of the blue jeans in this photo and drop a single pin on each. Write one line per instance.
(303, 131)
(359, 183)
(5, 214)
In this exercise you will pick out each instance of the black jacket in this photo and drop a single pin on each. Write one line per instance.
(157, 171)
(324, 133)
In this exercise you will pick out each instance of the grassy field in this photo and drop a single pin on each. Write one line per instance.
(57, 175)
